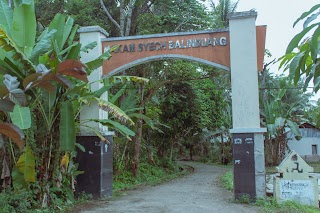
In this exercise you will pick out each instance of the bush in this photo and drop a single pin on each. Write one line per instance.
(148, 174)
(270, 205)
(227, 180)
(21, 201)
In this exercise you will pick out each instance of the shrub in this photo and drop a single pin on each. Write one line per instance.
(227, 180)
(21, 201)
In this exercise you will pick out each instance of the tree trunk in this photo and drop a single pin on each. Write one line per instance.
(275, 152)
(191, 152)
(138, 137)
(137, 144)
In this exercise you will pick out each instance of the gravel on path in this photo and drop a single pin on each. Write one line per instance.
(195, 193)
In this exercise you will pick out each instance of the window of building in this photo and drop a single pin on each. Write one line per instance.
(314, 149)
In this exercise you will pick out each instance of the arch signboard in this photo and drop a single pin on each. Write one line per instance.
(207, 47)
(239, 49)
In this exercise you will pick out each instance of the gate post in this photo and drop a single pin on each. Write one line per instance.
(87, 35)
(96, 161)
(248, 141)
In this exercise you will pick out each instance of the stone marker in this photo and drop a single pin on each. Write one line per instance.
(294, 182)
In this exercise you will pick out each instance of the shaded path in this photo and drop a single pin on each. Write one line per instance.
(195, 193)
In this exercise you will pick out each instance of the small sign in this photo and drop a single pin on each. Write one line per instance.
(294, 182)
(249, 140)
(301, 191)
(237, 141)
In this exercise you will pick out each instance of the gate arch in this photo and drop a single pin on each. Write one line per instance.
(239, 49)
(165, 57)
(211, 47)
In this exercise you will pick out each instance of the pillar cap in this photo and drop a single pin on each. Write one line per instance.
(90, 29)
(248, 130)
(241, 15)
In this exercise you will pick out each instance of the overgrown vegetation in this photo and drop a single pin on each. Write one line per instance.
(150, 175)
(42, 81)
(270, 205)
(227, 180)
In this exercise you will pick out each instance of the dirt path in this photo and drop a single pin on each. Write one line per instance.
(195, 193)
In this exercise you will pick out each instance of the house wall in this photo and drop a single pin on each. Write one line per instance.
(304, 146)
(310, 136)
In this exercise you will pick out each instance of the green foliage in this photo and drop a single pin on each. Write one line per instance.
(270, 205)
(12, 201)
(227, 180)
(47, 9)
(43, 87)
(148, 175)
(214, 155)
(283, 109)
(245, 199)
(26, 165)
(189, 102)
(302, 54)
(67, 127)
(87, 13)
(220, 12)
(174, 16)
(21, 117)
(24, 27)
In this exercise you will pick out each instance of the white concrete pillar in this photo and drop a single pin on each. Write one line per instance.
(245, 92)
(88, 35)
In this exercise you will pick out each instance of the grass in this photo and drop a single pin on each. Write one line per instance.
(148, 175)
(227, 181)
(269, 205)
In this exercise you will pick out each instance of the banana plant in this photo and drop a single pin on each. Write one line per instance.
(43, 85)
(279, 118)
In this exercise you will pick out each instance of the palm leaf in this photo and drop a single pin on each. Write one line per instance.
(6, 17)
(294, 128)
(26, 165)
(74, 69)
(117, 127)
(18, 97)
(6, 105)
(305, 14)
(67, 127)
(66, 31)
(295, 41)
(145, 118)
(115, 111)
(21, 117)
(13, 132)
(43, 45)
(92, 65)
(24, 27)
(7, 44)
(58, 23)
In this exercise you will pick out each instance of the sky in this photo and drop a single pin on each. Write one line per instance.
(279, 16)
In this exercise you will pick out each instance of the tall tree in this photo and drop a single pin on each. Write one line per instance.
(47, 9)
(220, 12)
(189, 102)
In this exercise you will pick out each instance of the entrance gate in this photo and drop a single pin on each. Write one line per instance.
(239, 49)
